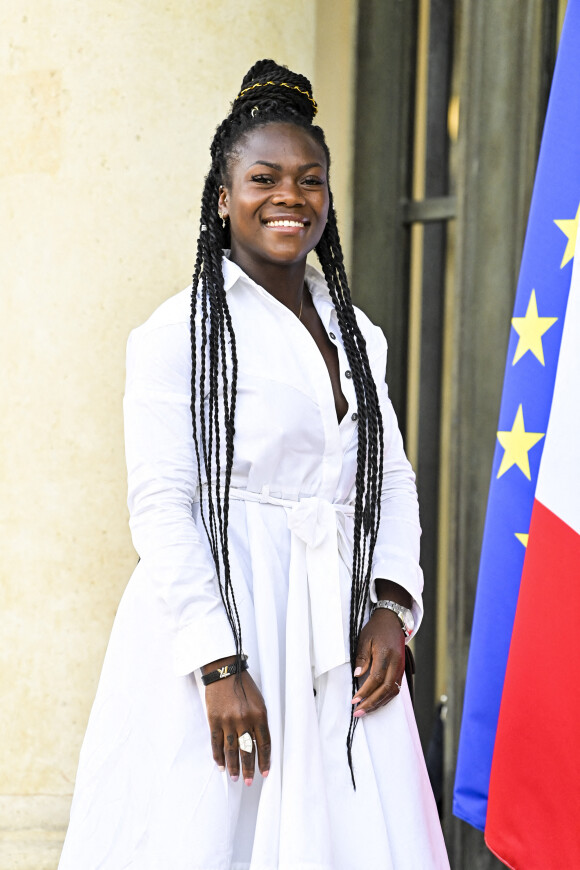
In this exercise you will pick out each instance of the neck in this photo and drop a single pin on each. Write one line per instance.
(285, 283)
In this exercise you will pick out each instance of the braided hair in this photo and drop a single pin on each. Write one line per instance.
(271, 93)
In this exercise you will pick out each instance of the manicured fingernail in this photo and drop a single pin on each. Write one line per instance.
(359, 714)
(248, 781)
(220, 768)
(265, 773)
(234, 778)
(358, 672)
(356, 701)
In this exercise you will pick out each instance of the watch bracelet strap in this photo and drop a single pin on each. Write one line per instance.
(226, 671)
(379, 605)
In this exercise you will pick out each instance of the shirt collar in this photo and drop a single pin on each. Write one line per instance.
(233, 273)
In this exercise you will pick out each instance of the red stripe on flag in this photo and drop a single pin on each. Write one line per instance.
(533, 817)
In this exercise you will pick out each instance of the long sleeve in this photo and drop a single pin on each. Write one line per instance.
(396, 555)
(162, 480)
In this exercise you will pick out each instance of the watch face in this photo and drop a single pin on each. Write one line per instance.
(407, 618)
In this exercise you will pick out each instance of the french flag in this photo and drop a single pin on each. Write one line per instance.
(533, 814)
(518, 767)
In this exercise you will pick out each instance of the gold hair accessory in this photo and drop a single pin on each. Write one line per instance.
(277, 85)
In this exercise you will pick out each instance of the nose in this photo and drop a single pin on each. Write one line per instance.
(288, 192)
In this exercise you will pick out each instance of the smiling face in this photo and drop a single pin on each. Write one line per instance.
(276, 197)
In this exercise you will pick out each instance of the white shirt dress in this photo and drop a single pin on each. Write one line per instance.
(148, 794)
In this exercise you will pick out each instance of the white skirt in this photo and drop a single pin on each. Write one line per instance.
(149, 796)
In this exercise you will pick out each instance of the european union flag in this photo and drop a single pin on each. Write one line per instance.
(534, 347)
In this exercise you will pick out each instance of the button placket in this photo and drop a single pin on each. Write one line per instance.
(346, 426)
(332, 459)
(349, 392)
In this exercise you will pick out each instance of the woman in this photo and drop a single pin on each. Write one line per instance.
(243, 643)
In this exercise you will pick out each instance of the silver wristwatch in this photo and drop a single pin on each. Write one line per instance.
(405, 615)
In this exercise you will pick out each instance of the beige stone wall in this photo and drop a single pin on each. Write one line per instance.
(108, 108)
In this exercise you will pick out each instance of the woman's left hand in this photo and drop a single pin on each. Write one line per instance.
(381, 660)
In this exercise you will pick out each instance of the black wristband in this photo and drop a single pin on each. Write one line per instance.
(227, 671)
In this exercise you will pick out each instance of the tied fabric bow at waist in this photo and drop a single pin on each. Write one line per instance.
(319, 542)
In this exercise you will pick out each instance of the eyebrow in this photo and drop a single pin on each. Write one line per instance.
(278, 168)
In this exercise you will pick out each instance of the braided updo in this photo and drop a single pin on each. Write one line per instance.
(269, 94)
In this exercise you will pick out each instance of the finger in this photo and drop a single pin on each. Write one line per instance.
(217, 746)
(375, 679)
(396, 673)
(232, 753)
(264, 746)
(248, 761)
(363, 658)
(379, 698)
(385, 692)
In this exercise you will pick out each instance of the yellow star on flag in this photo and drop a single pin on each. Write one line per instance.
(516, 444)
(530, 330)
(570, 229)
(522, 538)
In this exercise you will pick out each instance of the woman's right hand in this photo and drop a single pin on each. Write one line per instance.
(235, 705)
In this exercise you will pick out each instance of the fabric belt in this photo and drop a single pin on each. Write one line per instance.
(319, 542)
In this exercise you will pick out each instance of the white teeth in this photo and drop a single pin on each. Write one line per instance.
(284, 224)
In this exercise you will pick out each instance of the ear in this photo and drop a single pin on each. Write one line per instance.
(223, 201)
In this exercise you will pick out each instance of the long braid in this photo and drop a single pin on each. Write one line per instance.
(271, 94)
(370, 447)
(209, 364)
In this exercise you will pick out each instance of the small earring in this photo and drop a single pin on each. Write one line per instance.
(224, 218)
